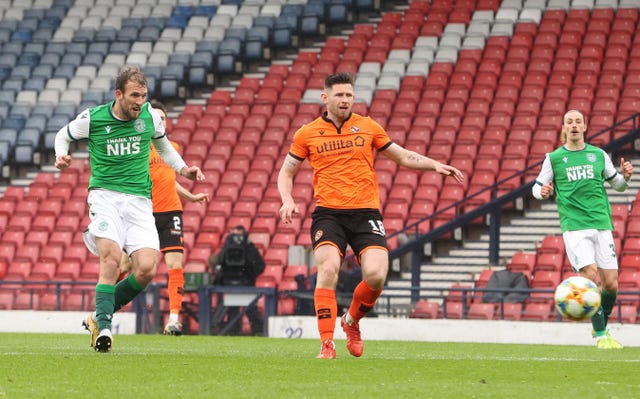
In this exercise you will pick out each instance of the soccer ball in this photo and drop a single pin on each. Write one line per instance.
(577, 298)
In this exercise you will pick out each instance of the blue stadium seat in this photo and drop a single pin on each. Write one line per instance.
(363, 5)
(202, 59)
(180, 58)
(230, 46)
(29, 59)
(260, 33)
(51, 59)
(208, 46)
(93, 59)
(36, 83)
(43, 71)
(5, 35)
(168, 88)
(30, 136)
(152, 73)
(23, 154)
(35, 13)
(9, 135)
(38, 122)
(57, 121)
(84, 35)
(56, 48)
(13, 48)
(48, 141)
(68, 111)
(56, 11)
(8, 59)
(50, 22)
(43, 35)
(290, 20)
(65, 71)
(7, 97)
(13, 84)
(10, 24)
(21, 72)
(4, 111)
(72, 59)
(152, 86)
(78, 48)
(337, 14)
(149, 34)
(45, 110)
(106, 35)
(156, 22)
(133, 22)
(282, 36)
(205, 10)
(28, 23)
(22, 35)
(187, 11)
(254, 50)
(13, 123)
(5, 151)
(38, 48)
(226, 62)
(265, 20)
(177, 21)
(292, 9)
(128, 34)
(310, 25)
(96, 96)
(197, 76)
(236, 32)
(316, 8)
(21, 111)
(173, 72)
(120, 47)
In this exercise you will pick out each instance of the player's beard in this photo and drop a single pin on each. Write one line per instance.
(132, 113)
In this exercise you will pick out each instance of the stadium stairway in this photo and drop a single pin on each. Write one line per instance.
(464, 264)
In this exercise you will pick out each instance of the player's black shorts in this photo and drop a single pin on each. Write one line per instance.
(169, 226)
(360, 228)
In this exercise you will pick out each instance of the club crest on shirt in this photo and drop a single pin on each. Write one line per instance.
(103, 226)
(565, 159)
(318, 235)
(591, 157)
(354, 129)
(139, 125)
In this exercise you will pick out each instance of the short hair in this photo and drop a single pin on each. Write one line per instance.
(130, 73)
(339, 78)
(158, 105)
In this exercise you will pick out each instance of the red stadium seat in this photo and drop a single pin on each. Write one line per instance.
(424, 309)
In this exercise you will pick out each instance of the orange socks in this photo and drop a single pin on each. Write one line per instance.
(326, 311)
(364, 298)
(176, 290)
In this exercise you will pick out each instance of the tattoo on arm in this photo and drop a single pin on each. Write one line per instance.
(291, 163)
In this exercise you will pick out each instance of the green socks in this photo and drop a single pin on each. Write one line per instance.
(608, 301)
(104, 305)
(601, 318)
(125, 291)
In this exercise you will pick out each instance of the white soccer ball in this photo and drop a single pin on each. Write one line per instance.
(577, 298)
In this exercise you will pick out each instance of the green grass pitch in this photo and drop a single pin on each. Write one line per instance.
(154, 366)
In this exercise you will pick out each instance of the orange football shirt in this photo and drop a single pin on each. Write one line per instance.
(164, 196)
(342, 160)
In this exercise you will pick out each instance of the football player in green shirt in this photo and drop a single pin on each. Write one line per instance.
(576, 173)
(119, 134)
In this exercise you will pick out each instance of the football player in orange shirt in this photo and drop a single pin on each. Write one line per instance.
(341, 146)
